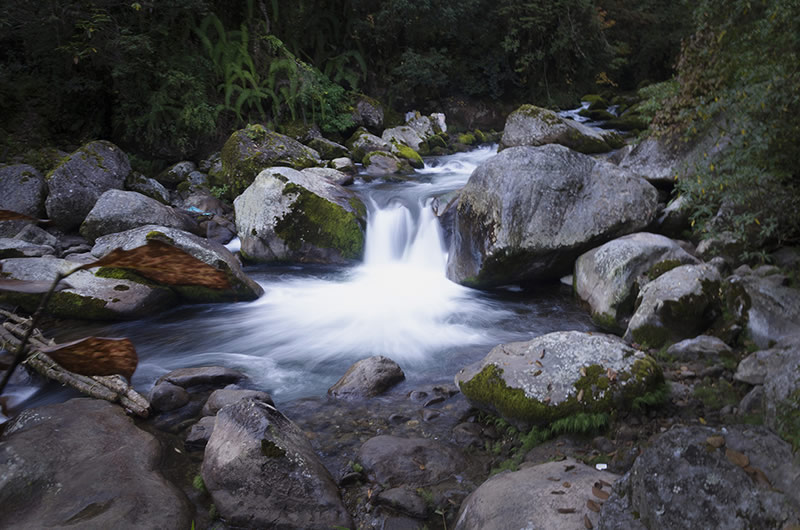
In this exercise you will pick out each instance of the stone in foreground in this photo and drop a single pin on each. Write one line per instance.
(261, 472)
(532, 498)
(558, 375)
(368, 377)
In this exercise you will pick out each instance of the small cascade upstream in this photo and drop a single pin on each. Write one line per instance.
(314, 321)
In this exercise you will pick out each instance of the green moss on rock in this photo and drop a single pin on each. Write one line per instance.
(404, 151)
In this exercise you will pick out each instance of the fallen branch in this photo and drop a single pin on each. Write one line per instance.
(112, 388)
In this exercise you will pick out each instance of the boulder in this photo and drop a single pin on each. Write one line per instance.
(86, 296)
(327, 149)
(251, 150)
(85, 464)
(199, 434)
(117, 211)
(772, 308)
(203, 376)
(261, 472)
(345, 165)
(702, 348)
(416, 462)
(554, 496)
(425, 126)
(176, 173)
(16, 248)
(368, 113)
(290, 215)
(165, 397)
(332, 175)
(76, 184)
(239, 285)
(147, 187)
(361, 143)
(381, 164)
(24, 190)
(535, 126)
(37, 236)
(227, 396)
(527, 213)
(674, 220)
(609, 277)
(558, 375)
(703, 477)
(681, 303)
(403, 135)
(368, 377)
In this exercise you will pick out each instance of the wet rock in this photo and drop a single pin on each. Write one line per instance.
(261, 472)
(62, 467)
(558, 375)
(76, 184)
(413, 462)
(468, 435)
(238, 285)
(679, 304)
(165, 396)
(368, 377)
(538, 497)
(529, 212)
(405, 501)
(24, 190)
(291, 215)
(609, 277)
(85, 296)
(147, 187)
(227, 396)
(200, 433)
(203, 376)
(704, 347)
(117, 211)
(361, 143)
(534, 126)
(681, 481)
(253, 149)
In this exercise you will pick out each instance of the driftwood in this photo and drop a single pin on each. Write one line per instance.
(112, 388)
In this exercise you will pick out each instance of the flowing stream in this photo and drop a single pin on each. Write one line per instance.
(313, 322)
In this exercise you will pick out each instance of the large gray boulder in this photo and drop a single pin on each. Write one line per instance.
(362, 142)
(118, 211)
(403, 135)
(368, 377)
(734, 477)
(381, 164)
(558, 375)
(76, 184)
(529, 212)
(84, 464)
(772, 308)
(368, 113)
(535, 126)
(250, 150)
(24, 190)
(261, 472)
(609, 277)
(679, 304)
(291, 215)
(238, 287)
(554, 496)
(86, 295)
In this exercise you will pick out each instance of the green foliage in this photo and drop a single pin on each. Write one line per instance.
(198, 484)
(740, 86)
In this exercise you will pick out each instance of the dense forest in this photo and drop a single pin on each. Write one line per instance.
(171, 79)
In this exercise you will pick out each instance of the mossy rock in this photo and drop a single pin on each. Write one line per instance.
(405, 152)
(250, 150)
(628, 122)
(597, 114)
(596, 101)
(559, 375)
(467, 139)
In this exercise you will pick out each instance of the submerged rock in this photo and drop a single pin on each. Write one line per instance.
(262, 472)
(76, 184)
(529, 212)
(24, 190)
(558, 375)
(679, 304)
(393, 461)
(703, 477)
(368, 377)
(609, 277)
(63, 465)
(292, 215)
(554, 496)
(250, 150)
(535, 126)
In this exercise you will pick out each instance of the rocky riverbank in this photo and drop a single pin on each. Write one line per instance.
(682, 413)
